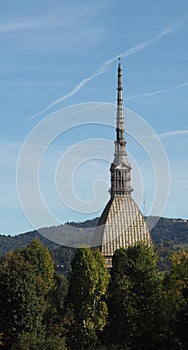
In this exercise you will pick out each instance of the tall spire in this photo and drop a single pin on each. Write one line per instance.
(120, 168)
(121, 224)
(120, 112)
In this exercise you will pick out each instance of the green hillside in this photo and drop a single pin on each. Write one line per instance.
(167, 235)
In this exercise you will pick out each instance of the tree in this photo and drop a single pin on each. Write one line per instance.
(55, 313)
(27, 284)
(135, 299)
(52, 287)
(100, 306)
(21, 309)
(87, 310)
(41, 260)
(176, 297)
(120, 303)
(28, 341)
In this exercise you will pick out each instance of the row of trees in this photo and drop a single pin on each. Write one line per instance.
(31, 298)
(135, 308)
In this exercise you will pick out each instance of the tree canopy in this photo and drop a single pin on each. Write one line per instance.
(136, 307)
(21, 308)
(135, 299)
(88, 285)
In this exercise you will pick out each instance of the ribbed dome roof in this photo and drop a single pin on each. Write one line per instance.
(120, 225)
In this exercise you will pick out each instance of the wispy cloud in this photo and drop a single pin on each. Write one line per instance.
(158, 92)
(105, 66)
(19, 24)
(145, 44)
(34, 84)
(173, 133)
(5, 71)
(61, 99)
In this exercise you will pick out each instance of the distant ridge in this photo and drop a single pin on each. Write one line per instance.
(167, 231)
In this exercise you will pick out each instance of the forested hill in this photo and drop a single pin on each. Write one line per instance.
(167, 232)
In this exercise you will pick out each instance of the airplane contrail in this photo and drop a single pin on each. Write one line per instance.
(157, 92)
(104, 67)
(173, 133)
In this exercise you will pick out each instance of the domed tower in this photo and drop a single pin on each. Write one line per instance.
(121, 223)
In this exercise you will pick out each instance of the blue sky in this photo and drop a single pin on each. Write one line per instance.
(57, 54)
